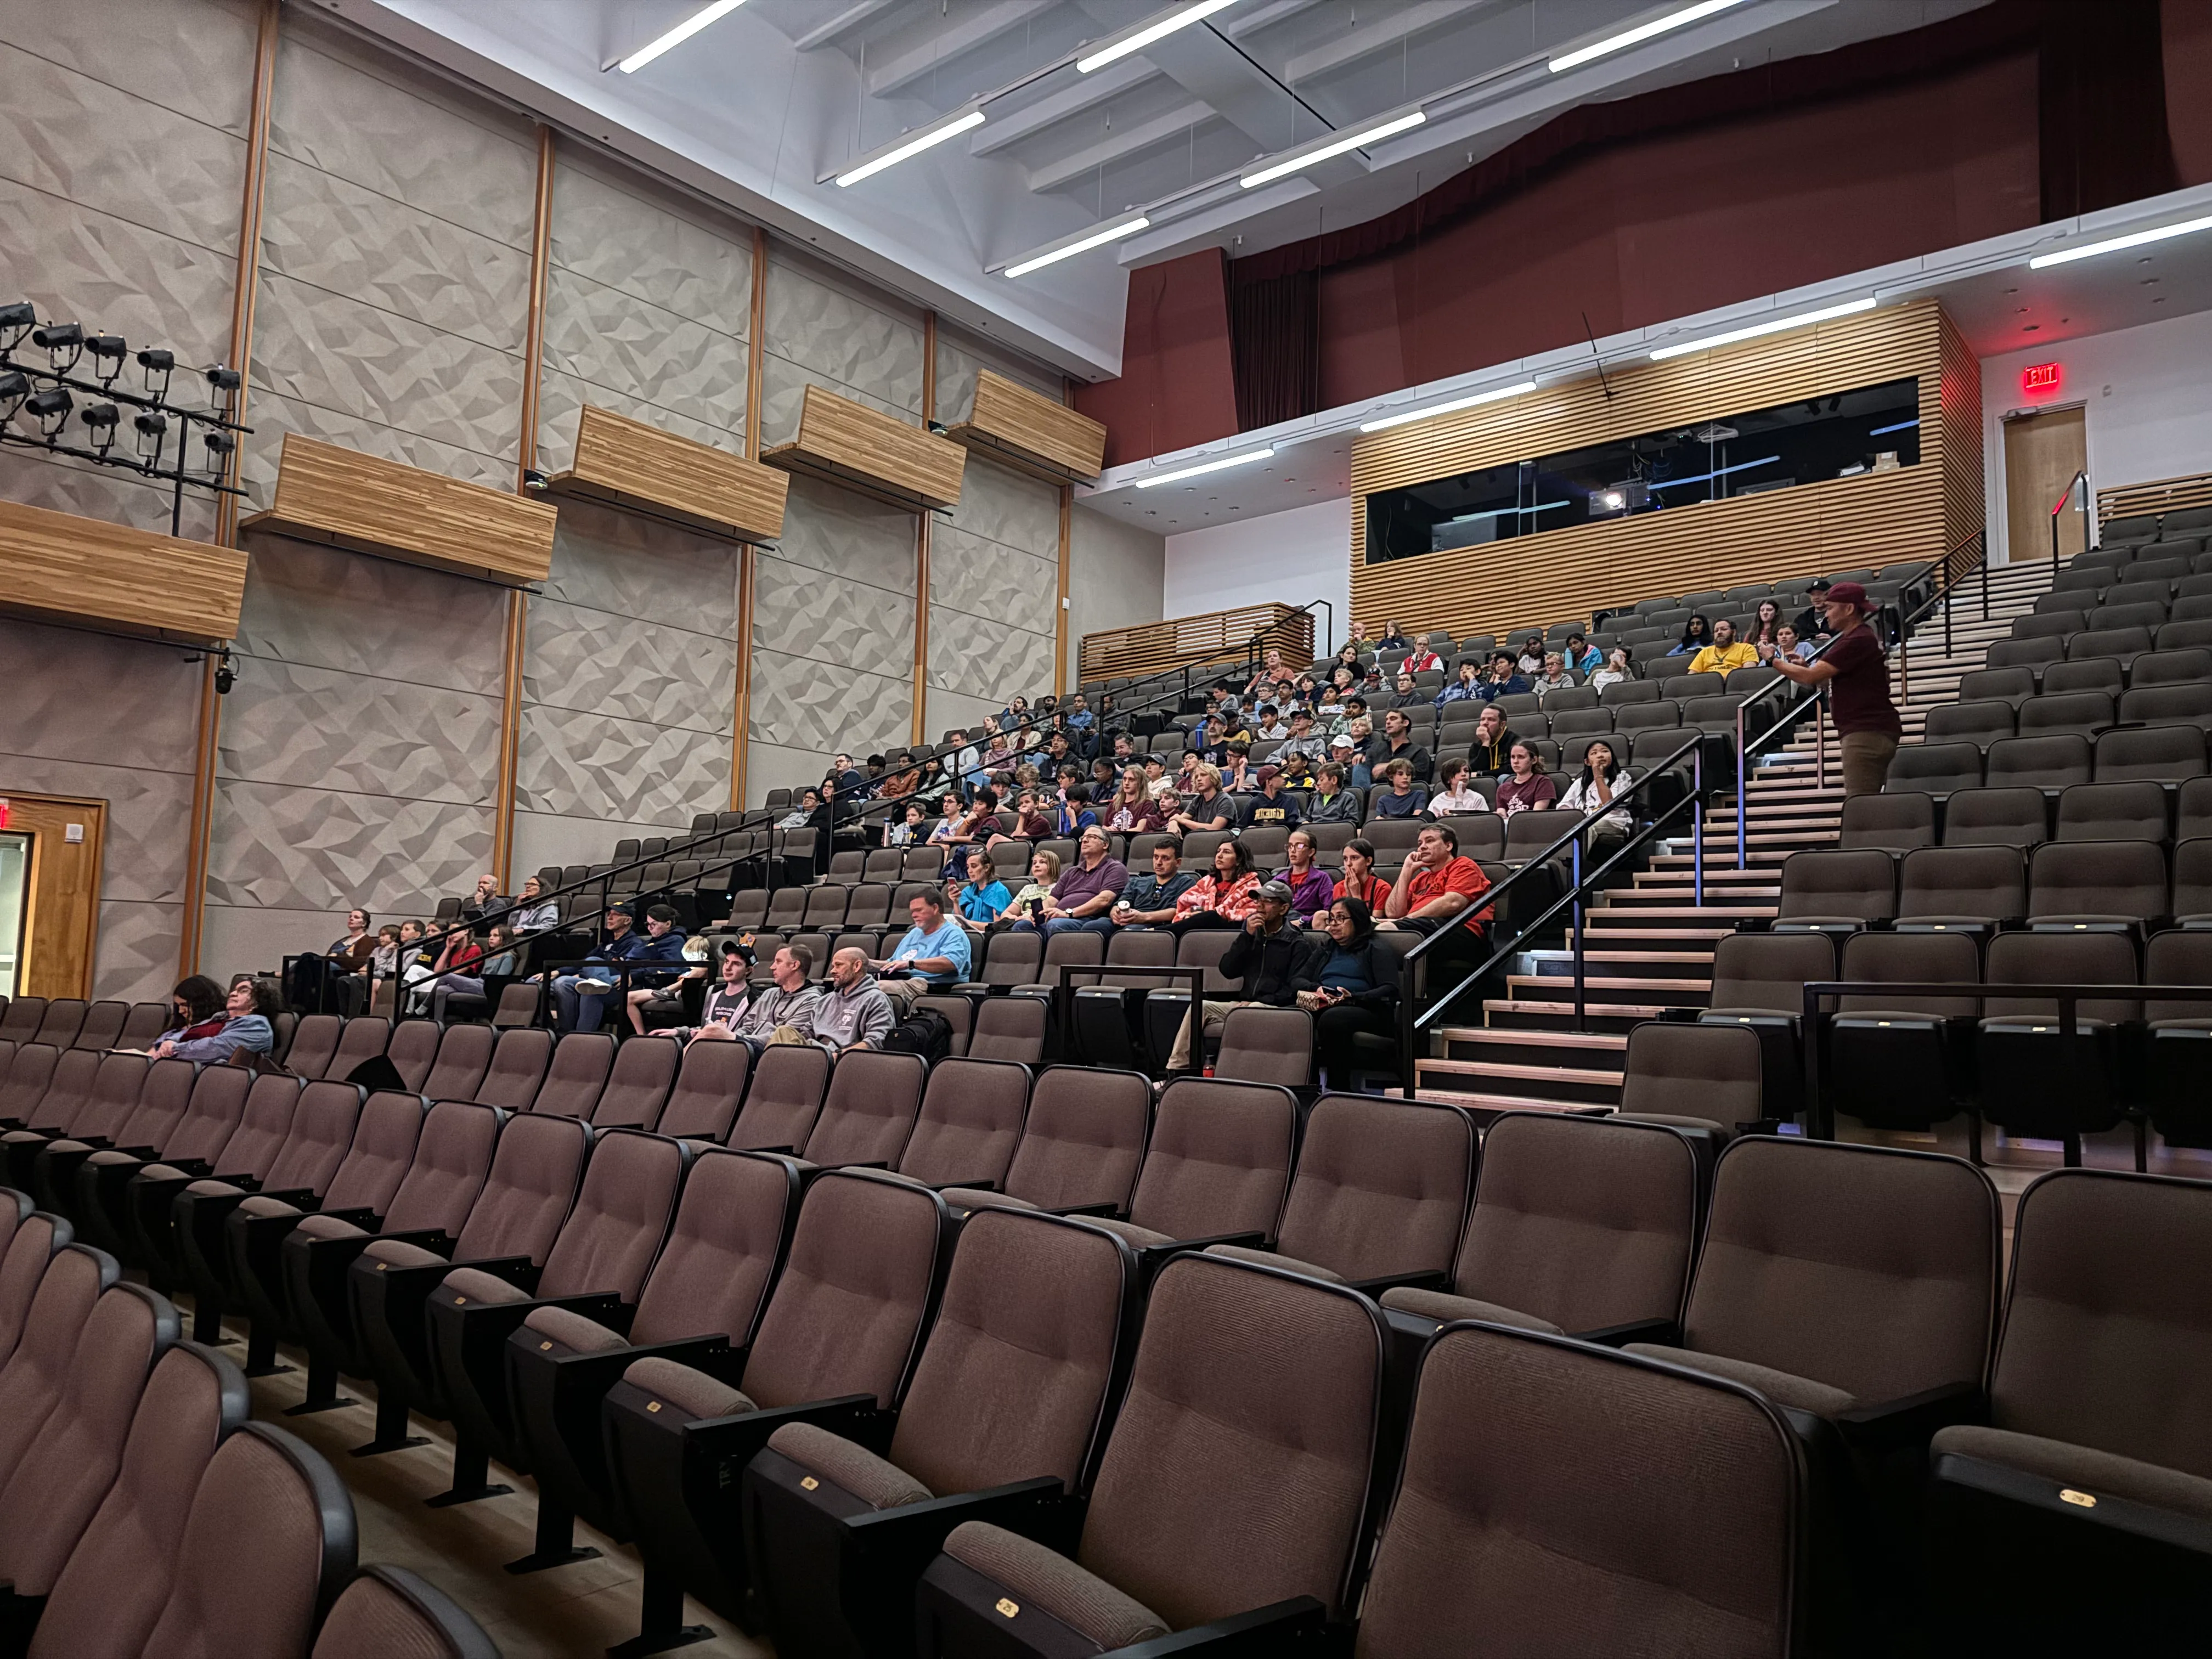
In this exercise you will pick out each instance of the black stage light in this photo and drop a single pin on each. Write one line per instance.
(16, 320)
(157, 364)
(222, 379)
(64, 342)
(219, 446)
(109, 351)
(50, 408)
(102, 419)
(14, 388)
(153, 428)
(225, 673)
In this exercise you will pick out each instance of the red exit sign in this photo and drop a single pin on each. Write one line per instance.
(2039, 377)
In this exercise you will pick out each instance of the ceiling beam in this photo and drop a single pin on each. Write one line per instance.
(1122, 141)
(1070, 101)
(1369, 39)
(842, 25)
(948, 46)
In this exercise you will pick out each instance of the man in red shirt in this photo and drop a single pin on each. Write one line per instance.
(1854, 665)
(1437, 887)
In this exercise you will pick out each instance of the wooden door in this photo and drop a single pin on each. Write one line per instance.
(2043, 451)
(61, 924)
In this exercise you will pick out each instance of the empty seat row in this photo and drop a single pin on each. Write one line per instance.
(71, 1022)
(2155, 754)
(2083, 714)
(2110, 675)
(1899, 822)
(2074, 885)
(2123, 645)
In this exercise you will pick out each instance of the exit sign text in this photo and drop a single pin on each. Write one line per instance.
(2039, 377)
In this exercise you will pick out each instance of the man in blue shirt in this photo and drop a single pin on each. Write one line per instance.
(932, 956)
(580, 999)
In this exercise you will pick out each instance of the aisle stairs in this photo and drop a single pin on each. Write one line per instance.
(1650, 944)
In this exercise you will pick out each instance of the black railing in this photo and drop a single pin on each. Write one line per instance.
(1414, 1019)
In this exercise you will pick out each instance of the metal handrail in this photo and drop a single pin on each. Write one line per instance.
(1412, 1022)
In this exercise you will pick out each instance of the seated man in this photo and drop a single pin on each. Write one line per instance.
(784, 1011)
(1396, 741)
(856, 1014)
(1149, 900)
(1492, 752)
(580, 999)
(1271, 809)
(932, 955)
(1272, 958)
(1726, 653)
(1086, 890)
(1440, 889)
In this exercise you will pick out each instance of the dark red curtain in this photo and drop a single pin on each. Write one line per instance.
(2102, 105)
(1274, 334)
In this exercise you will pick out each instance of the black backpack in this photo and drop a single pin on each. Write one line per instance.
(925, 1032)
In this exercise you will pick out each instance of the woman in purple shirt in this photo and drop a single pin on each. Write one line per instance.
(1311, 889)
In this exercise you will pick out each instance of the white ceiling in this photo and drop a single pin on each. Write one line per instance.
(757, 109)
(1998, 303)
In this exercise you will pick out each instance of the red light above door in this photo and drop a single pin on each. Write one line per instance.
(2038, 378)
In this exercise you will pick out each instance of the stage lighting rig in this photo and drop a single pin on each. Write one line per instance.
(50, 408)
(157, 362)
(101, 420)
(14, 388)
(16, 320)
(63, 342)
(108, 351)
(153, 430)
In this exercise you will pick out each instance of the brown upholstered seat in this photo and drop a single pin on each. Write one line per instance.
(703, 1102)
(388, 1611)
(1237, 1476)
(1555, 1498)
(1267, 1045)
(581, 1060)
(517, 1067)
(789, 1080)
(314, 1042)
(1012, 1387)
(868, 1114)
(413, 1051)
(1713, 1073)
(111, 1592)
(36, 1370)
(2082, 1510)
(845, 1321)
(969, 1124)
(210, 1115)
(1218, 1163)
(637, 1086)
(31, 1245)
(1579, 1224)
(265, 1120)
(464, 1054)
(1010, 1028)
(1852, 1277)
(1081, 1144)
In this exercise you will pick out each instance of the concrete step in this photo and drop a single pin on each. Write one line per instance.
(1595, 1050)
(1611, 991)
(1554, 1086)
(1535, 1013)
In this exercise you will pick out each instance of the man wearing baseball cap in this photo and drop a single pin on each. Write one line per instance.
(1811, 624)
(1857, 669)
(1271, 958)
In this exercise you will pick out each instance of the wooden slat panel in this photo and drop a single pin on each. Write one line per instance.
(1871, 520)
(328, 494)
(638, 466)
(879, 455)
(2158, 495)
(1205, 636)
(1028, 430)
(70, 569)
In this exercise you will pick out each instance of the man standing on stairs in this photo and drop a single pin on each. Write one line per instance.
(1866, 719)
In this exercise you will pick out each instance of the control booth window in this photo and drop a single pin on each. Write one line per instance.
(1840, 434)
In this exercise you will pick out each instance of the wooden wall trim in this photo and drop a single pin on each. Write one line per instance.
(1060, 604)
(864, 450)
(66, 568)
(741, 706)
(1029, 432)
(244, 292)
(60, 942)
(2153, 495)
(1871, 520)
(642, 469)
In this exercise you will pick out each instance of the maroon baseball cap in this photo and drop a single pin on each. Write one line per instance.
(1268, 774)
(1850, 593)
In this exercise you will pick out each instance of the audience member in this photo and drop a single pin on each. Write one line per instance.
(855, 1014)
(1223, 896)
(1311, 887)
(1765, 624)
(1593, 792)
(1345, 754)
(1296, 769)
(1437, 889)
(909, 827)
(1086, 889)
(1208, 808)
(902, 779)
(1856, 669)
(979, 825)
(1554, 676)
(1272, 807)
(1269, 725)
(1271, 957)
(1237, 773)
(804, 811)
(1581, 656)
(1504, 679)
(1149, 900)
(1394, 638)
(1812, 622)
(1397, 742)
(1402, 799)
(1303, 740)
(1525, 787)
(1456, 793)
(1078, 715)
(724, 1006)
(1331, 802)
(783, 1013)
(1697, 635)
(1269, 673)
(1787, 644)
(665, 1002)
(248, 1026)
(1359, 880)
(196, 1006)
(932, 955)
(1726, 653)
(1027, 907)
(1134, 811)
(1617, 670)
(1491, 753)
(979, 897)
(1419, 660)
(847, 777)
(1356, 993)
(1074, 816)
(458, 965)
(383, 961)
(1157, 781)
(1404, 694)
(580, 999)
(349, 955)
(483, 900)
(533, 913)
(1466, 688)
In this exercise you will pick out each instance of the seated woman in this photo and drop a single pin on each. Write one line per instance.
(348, 961)
(1525, 788)
(466, 976)
(1028, 905)
(195, 1004)
(1311, 889)
(1596, 791)
(457, 958)
(1225, 896)
(533, 912)
(1134, 811)
(976, 896)
(1359, 880)
(1456, 791)
(248, 1026)
(1697, 635)
(1359, 990)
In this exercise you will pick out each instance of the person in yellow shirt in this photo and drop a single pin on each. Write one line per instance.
(1725, 654)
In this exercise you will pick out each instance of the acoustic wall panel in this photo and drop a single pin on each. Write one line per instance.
(629, 686)
(821, 328)
(994, 596)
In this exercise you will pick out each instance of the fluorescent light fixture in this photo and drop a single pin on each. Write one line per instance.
(1506, 511)
(677, 36)
(1756, 330)
(912, 145)
(1717, 472)
(1674, 19)
(1082, 244)
(1490, 397)
(1138, 38)
(1299, 161)
(1222, 465)
(2114, 244)
(1901, 425)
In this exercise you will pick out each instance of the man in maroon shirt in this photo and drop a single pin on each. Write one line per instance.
(1856, 667)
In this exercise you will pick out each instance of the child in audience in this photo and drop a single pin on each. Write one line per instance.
(905, 829)
(1525, 788)
(1030, 822)
(1617, 670)
(1026, 905)
(975, 895)
(1401, 799)
(1453, 794)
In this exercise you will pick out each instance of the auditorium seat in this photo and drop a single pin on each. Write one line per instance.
(1892, 822)
(637, 1085)
(2180, 1060)
(1267, 1045)
(1706, 1078)
(1081, 1146)
(1007, 1409)
(1899, 1062)
(1272, 1384)
(702, 1102)
(42, 1166)
(99, 1207)
(2160, 754)
(788, 1083)
(1936, 769)
(63, 1018)
(74, 1278)
(1977, 723)
(2049, 763)
(387, 1611)
(1557, 1498)
(515, 1070)
(578, 1073)
(969, 1124)
(246, 1153)
(2191, 906)
(869, 1111)
(1217, 1169)
(835, 1348)
(102, 1027)
(2032, 1080)
(2012, 685)
(2075, 1516)
(2074, 885)
(1835, 891)
(1758, 982)
(1012, 1028)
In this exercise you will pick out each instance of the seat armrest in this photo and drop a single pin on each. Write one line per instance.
(733, 1442)
(911, 1535)
(972, 1186)
(1109, 1210)
(1679, 1016)
(1299, 1625)
(144, 1154)
(300, 1198)
(1667, 1333)
(432, 1239)
(1427, 1278)
(1911, 1421)
(599, 1372)
(1153, 1257)
(359, 1216)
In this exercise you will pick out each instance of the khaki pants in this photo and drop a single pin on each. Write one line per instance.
(1866, 762)
(1213, 1014)
(904, 993)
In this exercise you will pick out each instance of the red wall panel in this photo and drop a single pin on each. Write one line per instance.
(1177, 386)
